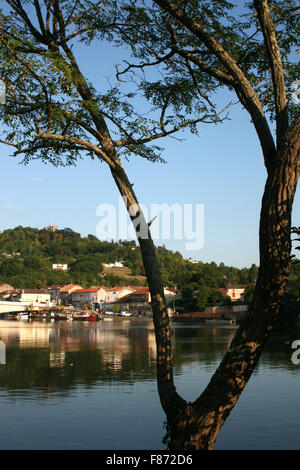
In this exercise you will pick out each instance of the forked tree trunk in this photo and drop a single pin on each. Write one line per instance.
(166, 389)
(196, 425)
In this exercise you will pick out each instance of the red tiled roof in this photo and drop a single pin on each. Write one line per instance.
(224, 291)
(81, 291)
(69, 287)
(141, 290)
(138, 291)
(35, 291)
(117, 288)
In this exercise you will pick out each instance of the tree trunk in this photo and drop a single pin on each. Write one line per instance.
(196, 425)
(167, 392)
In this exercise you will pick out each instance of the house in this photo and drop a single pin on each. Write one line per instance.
(54, 292)
(65, 293)
(234, 291)
(93, 296)
(60, 266)
(10, 255)
(116, 264)
(6, 288)
(115, 293)
(137, 302)
(52, 228)
(36, 297)
(171, 293)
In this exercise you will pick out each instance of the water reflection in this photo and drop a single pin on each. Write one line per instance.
(61, 355)
(82, 352)
(114, 363)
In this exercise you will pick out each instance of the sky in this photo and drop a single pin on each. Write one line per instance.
(221, 169)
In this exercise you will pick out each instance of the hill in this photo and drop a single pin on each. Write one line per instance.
(27, 255)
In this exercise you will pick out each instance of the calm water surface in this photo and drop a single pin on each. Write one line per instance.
(73, 385)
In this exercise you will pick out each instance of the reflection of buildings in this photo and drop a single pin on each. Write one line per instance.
(34, 336)
(116, 343)
(57, 359)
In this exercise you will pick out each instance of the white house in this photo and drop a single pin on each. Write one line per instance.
(116, 264)
(60, 266)
(36, 297)
(234, 291)
(115, 293)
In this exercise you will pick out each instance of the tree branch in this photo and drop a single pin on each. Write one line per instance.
(73, 140)
(241, 83)
(276, 65)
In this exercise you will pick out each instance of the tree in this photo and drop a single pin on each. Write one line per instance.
(53, 113)
(201, 48)
(250, 55)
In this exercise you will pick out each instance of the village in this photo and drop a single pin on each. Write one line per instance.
(126, 301)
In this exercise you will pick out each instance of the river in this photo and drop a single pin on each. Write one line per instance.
(84, 385)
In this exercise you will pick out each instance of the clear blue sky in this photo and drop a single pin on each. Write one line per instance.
(222, 169)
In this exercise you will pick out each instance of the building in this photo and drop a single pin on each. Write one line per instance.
(60, 266)
(93, 297)
(193, 261)
(52, 228)
(54, 292)
(137, 302)
(36, 297)
(116, 264)
(65, 293)
(234, 291)
(6, 288)
(10, 255)
(171, 293)
(115, 293)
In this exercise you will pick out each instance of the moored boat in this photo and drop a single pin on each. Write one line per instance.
(81, 317)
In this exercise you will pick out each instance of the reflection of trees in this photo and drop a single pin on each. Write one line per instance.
(86, 355)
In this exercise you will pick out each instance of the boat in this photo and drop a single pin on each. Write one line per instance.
(60, 316)
(94, 317)
(23, 316)
(81, 317)
(125, 314)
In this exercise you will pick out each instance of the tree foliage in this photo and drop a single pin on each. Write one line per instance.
(53, 112)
